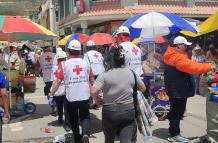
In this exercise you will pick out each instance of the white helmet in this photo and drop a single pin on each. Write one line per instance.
(58, 49)
(61, 54)
(123, 29)
(74, 45)
(90, 43)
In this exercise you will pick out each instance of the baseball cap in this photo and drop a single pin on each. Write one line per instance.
(197, 47)
(181, 40)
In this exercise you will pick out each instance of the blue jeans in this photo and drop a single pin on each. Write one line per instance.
(119, 121)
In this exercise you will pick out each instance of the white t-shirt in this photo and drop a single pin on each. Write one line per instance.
(48, 61)
(133, 57)
(76, 78)
(95, 61)
(61, 89)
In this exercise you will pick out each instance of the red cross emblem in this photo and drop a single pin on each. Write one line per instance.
(77, 70)
(135, 51)
(96, 55)
(48, 59)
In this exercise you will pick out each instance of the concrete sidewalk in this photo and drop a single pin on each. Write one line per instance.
(27, 128)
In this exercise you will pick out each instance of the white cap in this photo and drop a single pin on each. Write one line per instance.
(181, 40)
(74, 45)
(123, 29)
(197, 47)
(61, 54)
(90, 43)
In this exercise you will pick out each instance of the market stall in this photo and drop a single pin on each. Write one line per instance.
(17, 28)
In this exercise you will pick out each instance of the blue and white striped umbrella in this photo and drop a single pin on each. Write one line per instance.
(157, 24)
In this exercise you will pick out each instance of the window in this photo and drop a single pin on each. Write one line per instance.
(76, 3)
(67, 7)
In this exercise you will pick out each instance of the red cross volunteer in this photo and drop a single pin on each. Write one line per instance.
(132, 52)
(94, 59)
(77, 76)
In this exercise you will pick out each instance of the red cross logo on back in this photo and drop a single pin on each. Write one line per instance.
(77, 70)
(135, 51)
(96, 55)
(48, 59)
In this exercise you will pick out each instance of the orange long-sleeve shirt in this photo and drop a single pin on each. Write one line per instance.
(179, 59)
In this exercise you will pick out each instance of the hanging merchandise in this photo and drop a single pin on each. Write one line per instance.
(213, 89)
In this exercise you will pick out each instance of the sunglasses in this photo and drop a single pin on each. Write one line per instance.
(125, 34)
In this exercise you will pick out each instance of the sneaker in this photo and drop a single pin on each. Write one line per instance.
(67, 128)
(178, 138)
(60, 120)
(85, 139)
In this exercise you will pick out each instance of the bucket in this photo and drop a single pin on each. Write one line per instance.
(29, 83)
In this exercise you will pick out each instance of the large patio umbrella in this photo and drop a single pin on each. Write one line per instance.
(149, 40)
(155, 24)
(102, 39)
(77, 36)
(209, 25)
(17, 28)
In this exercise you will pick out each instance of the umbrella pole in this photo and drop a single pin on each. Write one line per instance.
(153, 36)
(9, 74)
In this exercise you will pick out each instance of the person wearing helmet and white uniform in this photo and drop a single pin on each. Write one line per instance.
(60, 95)
(94, 59)
(46, 63)
(77, 76)
(132, 52)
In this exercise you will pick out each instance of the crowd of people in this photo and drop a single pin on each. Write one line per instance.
(75, 82)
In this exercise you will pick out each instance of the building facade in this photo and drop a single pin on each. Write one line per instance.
(90, 16)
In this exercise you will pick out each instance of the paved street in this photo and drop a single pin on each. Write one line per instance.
(27, 128)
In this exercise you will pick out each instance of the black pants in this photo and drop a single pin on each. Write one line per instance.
(177, 109)
(47, 87)
(61, 104)
(79, 110)
(116, 120)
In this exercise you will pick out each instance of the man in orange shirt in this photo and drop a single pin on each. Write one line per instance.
(179, 83)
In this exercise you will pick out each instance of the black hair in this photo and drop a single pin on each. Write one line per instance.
(118, 56)
(91, 47)
(74, 52)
